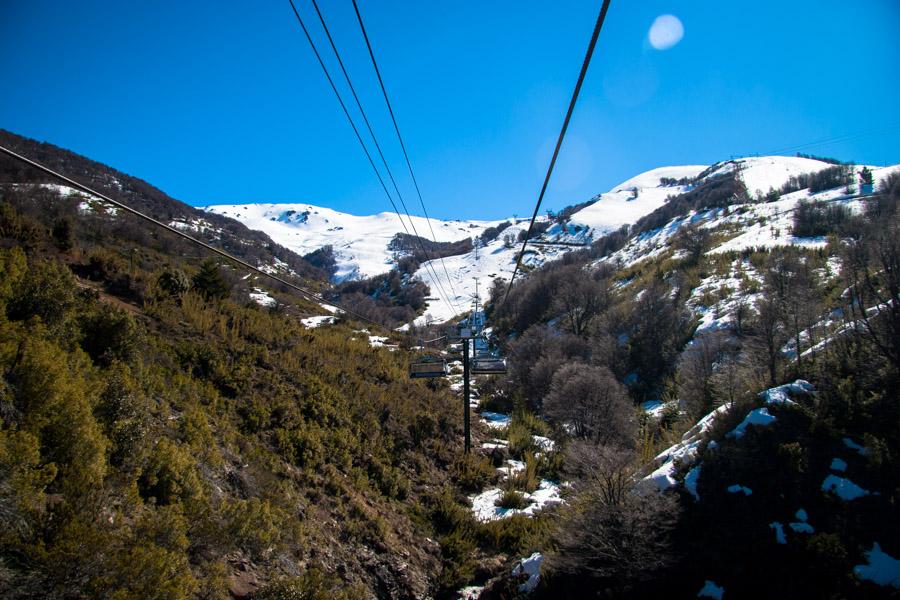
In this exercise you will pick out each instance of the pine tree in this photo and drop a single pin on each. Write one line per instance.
(210, 283)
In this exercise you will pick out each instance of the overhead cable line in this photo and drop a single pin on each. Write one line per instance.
(357, 133)
(562, 134)
(380, 152)
(833, 140)
(400, 137)
(309, 295)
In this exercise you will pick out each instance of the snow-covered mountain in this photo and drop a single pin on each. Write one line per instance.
(361, 243)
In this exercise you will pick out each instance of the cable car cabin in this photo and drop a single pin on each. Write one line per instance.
(489, 365)
(428, 368)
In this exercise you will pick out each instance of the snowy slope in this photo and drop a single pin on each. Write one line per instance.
(761, 173)
(360, 242)
(485, 264)
(619, 207)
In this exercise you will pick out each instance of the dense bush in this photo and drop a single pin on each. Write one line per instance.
(492, 233)
(814, 219)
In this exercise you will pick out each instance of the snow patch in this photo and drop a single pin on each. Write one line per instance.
(711, 590)
(802, 528)
(484, 505)
(531, 568)
(781, 394)
(736, 489)
(472, 592)
(838, 465)
(690, 481)
(779, 532)
(882, 569)
(495, 420)
(843, 488)
(262, 298)
(544, 443)
(861, 450)
(318, 321)
(759, 417)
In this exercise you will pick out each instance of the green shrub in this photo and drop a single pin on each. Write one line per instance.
(255, 525)
(312, 585)
(512, 499)
(457, 561)
(518, 535)
(472, 472)
(525, 480)
(169, 475)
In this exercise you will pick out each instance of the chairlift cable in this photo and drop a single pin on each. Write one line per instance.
(352, 123)
(400, 138)
(562, 134)
(381, 154)
(309, 295)
(390, 174)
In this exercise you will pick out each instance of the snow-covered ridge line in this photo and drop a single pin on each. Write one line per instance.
(361, 243)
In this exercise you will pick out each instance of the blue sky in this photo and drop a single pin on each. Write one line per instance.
(224, 103)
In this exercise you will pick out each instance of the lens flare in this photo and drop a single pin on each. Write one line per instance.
(665, 32)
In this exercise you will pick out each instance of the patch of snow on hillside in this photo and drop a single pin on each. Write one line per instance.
(724, 290)
(802, 527)
(861, 450)
(531, 568)
(843, 488)
(780, 538)
(318, 321)
(471, 592)
(495, 420)
(759, 417)
(838, 465)
(484, 505)
(489, 262)
(781, 395)
(691, 480)
(685, 452)
(759, 174)
(711, 590)
(262, 298)
(882, 568)
(738, 489)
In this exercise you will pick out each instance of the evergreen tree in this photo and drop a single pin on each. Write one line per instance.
(210, 282)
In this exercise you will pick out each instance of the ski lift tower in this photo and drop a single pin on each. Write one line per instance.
(466, 334)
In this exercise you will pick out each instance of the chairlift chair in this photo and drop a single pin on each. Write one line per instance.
(489, 365)
(428, 367)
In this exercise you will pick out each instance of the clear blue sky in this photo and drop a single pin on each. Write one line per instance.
(223, 103)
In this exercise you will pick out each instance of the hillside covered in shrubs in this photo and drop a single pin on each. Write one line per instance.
(656, 357)
(170, 429)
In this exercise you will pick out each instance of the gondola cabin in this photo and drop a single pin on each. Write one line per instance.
(428, 367)
(489, 365)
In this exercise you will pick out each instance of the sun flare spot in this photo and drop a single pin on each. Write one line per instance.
(665, 32)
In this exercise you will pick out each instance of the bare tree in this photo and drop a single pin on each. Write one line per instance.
(872, 268)
(590, 400)
(611, 536)
(581, 298)
(696, 368)
(769, 335)
(693, 239)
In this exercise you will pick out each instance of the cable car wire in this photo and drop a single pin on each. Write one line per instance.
(562, 134)
(400, 137)
(359, 136)
(309, 295)
(380, 152)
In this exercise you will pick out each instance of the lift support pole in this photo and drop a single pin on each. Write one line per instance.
(466, 429)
